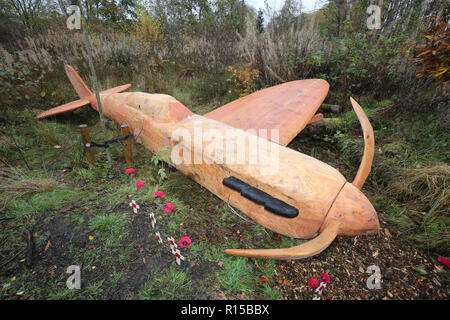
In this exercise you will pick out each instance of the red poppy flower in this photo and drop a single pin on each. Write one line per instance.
(158, 194)
(139, 184)
(130, 170)
(313, 283)
(184, 242)
(325, 278)
(169, 207)
(445, 261)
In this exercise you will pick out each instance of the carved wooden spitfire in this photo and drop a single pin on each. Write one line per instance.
(285, 191)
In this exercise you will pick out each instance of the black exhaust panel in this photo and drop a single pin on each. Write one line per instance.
(258, 196)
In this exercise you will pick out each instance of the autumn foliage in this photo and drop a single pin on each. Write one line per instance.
(433, 59)
(244, 77)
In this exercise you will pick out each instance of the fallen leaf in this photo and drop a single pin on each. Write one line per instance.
(387, 233)
(286, 282)
(263, 278)
(66, 208)
(47, 245)
(90, 246)
(220, 263)
(20, 293)
(421, 271)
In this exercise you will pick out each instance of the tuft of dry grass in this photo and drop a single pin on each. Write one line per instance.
(425, 195)
(15, 183)
(275, 54)
(429, 187)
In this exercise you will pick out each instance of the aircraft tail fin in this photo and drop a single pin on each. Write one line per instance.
(86, 95)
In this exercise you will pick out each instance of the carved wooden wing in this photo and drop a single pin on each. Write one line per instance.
(288, 107)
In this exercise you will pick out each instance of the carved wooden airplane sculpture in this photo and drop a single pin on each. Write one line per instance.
(304, 198)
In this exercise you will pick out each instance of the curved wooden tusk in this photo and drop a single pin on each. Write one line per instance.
(369, 146)
(305, 250)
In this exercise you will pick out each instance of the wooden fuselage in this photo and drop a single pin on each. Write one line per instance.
(316, 189)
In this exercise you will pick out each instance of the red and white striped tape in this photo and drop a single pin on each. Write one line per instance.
(172, 244)
(178, 256)
(134, 206)
(158, 237)
(152, 218)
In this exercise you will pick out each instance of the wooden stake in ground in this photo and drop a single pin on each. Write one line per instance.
(87, 144)
(95, 82)
(127, 145)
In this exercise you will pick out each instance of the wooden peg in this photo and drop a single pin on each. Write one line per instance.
(87, 144)
(127, 145)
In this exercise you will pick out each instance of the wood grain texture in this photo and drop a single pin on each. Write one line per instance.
(295, 178)
(287, 107)
(357, 214)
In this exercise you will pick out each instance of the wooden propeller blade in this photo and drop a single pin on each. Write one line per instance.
(305, 250)
(369, 146)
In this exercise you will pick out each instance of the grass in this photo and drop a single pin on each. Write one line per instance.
(63, 294)
(236, 276)
(172, 284)
(116, 278)
(16, 183)
(109, 228)
(426, 193)
(24, 209)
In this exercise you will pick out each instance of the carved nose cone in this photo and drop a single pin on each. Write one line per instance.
(355, 211)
